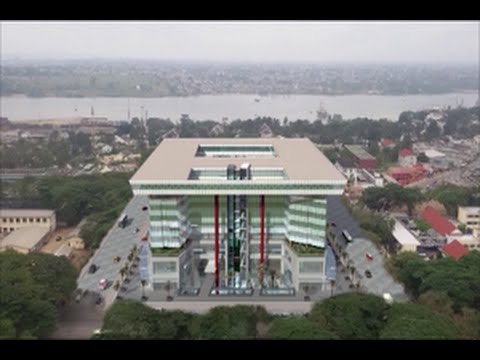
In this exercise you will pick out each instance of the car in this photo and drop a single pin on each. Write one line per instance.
(98, 300)
(333, 224)
(102, 284)
(92, 269)
(369, 256)
(145, 208)
(59, 238)
(368, 274)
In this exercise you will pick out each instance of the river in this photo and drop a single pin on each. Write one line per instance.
(216, 107)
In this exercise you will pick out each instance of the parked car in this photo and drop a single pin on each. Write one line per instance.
(145, 208)
(102, 284)
(92, 269)
(368, 274)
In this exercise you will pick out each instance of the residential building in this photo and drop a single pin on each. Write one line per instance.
(454, 249)
(361, 158)
(407, 175)
(406, 241)
(25, 239)
(13, 219)
(406, 158)
(438, 223)
(470, 216)
(437, 159)
(252, 211)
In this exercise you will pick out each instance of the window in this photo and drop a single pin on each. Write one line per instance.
(24, 220)
(11, 220)
(164, 267)
(4, 219)
(17, 220)
(310, 266)
(31, 220)
(44, 220)
(38, 220)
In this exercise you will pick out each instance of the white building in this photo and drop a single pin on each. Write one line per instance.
(404, 238)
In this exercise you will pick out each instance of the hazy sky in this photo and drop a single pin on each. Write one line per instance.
(251, 41)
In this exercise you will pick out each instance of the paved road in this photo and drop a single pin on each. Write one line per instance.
(381, 281)
(79, 320)
(118, 242)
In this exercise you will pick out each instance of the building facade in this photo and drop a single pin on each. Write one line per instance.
(406, 158)
(361, 158)
(244, 214)
(470, 216)
(13, 219)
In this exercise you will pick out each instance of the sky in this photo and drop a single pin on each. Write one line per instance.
(245, 41)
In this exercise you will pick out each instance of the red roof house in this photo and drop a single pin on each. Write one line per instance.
(386, 142)
(437, 221)
(405, 152)
(454, 249)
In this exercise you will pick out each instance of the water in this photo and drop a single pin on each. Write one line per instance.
(216, 107)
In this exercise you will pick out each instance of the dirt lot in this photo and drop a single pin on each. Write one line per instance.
(53, 245)
(78, 257)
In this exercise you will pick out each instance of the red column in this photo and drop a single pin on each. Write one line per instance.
(215, 217)
(262, 232)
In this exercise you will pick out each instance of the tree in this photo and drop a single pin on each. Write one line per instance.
(416, 322)
(229, 323)
(32, 287)
(351, 315)
(298, 328)
(422, 225)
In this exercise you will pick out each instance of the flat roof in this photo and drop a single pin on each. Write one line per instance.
(26, 237)
(403, 236)
(432, 153)
(470, 209)
(26, 212)
(359, 152)
(173, 159)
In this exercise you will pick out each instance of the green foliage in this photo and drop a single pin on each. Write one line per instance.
(31, 288)
(351, 315)
(452, 196)
(229, 323)
(422, 225)
(100, 197)
(331, 154)
(298, 328)
(134, 320)
(375, 224)
(457, 279)
(413, 321)
(384, 198)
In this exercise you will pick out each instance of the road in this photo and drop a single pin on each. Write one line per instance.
(381, 281)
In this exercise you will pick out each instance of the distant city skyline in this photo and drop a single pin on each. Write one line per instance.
(245, 41)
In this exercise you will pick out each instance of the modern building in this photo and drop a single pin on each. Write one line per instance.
(361, 158)
(470, 216)
(13, 219)
(407, 175)
(406, 158)
(244, 214)
(26, 239)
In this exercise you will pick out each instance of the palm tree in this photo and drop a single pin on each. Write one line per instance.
(306, 289)
(168, 287)
(273, 274)
(143, 282)
(332, 286)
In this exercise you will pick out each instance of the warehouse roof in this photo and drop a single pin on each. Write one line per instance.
(26, 238)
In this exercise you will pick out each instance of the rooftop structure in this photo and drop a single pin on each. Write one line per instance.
(405, 152)
(25, 240)
(362, 158)
(407, 175)
(454, 249)
(405, 238)
(437, 221)
(241, 204)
